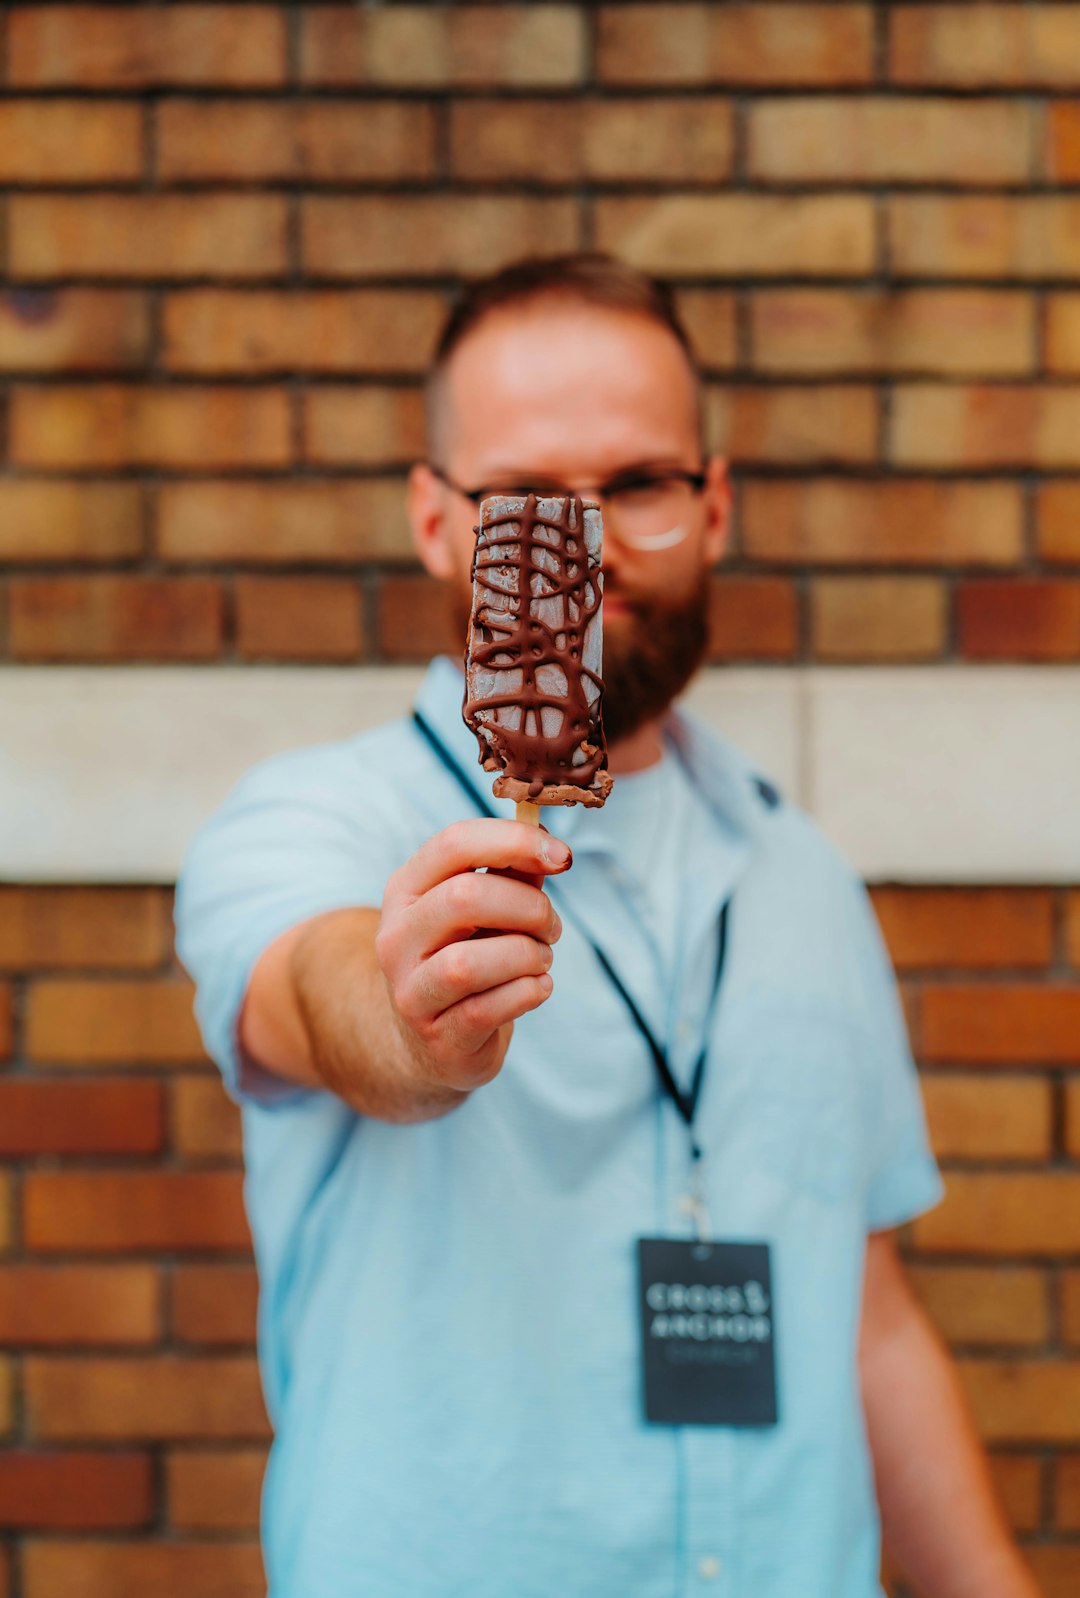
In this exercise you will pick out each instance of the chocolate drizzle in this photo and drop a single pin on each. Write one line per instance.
(533, 688)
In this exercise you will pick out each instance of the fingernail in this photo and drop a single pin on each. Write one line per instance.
(555, 853)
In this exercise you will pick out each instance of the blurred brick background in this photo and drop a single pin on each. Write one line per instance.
(227, 235)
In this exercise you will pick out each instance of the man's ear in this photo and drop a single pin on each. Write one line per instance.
(426, 505)
(717, 492)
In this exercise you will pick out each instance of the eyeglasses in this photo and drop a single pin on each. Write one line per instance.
(644, 510)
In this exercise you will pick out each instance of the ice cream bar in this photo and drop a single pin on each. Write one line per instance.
(532, 662)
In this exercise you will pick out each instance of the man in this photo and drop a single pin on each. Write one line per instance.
(455, 1143)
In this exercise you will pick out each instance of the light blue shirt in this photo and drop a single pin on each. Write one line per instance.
(448, 1322)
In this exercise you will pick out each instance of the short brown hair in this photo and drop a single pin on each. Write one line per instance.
(588, 279)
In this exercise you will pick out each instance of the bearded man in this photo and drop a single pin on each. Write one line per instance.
(575, 1239)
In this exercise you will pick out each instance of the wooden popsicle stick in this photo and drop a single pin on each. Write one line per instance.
(528, 812)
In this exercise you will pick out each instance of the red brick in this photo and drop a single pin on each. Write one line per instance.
(466, 46)
(7, 1397)
(74, 1491)
(994, 1305)
(124, 1211)
(71, 927)
(311, 142)
(1063, 141)
(1058, 515)
(166, 236)
(72, 330)
(77, 1569)
(424, 235)
(1032, 618)
(112, 1023)
(363, 426)
(217, 1490)
(916, 522)
(978, 928)
(214, 1305)
(1063, 333)
(205, 1121)
(982, 45)
(298, 618)
(7, 1211)
(166, 1398)
(878, 140)
(1070, 1307)
(77, 522)
(7, 1022)
(128, 47)
(1021, 1023)
(736, 43)
(959, 332)
(800, 426)
(1072, 1117)
(991, 427)
(1072, 929)
(114, 425)
(1024, 1400)
(878, 618)
(1067, 1492)
(1032, 236)
(1056, 1570)
(53, 1305)
(374, 331)
(752, 618)
(1002, 1118)
(81, 1117)
(1018, 1483)
(60, 141)
(115, 618)
(709, 316)
(1035, 1213)
(734, 235)
(415, 619)
(329, 523)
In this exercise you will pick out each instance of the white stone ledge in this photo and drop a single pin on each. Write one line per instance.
(943, 774)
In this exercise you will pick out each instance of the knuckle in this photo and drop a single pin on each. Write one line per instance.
(461, 893)
(457, 967)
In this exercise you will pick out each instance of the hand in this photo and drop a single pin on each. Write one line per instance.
(456, 996)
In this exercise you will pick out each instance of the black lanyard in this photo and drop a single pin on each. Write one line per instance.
(686, 1103)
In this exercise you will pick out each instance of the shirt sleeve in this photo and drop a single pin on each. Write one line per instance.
(301, 834)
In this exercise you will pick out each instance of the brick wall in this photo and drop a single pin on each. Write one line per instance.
(226, 236)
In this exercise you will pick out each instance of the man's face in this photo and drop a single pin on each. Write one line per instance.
(565, 394)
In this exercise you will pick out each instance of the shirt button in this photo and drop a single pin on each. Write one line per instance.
(709, 1567)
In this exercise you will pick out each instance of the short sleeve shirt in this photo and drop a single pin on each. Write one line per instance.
(447, 1328)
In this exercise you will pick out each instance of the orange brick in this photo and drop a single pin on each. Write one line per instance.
(1030, 618)
(736, 43)
(1022, 1023)
(753, 618)
(166, 1397)
(990, 426)
(147, 235)
(83, 927)
(103, 1211)
(415, 619)
(115, 618)
(214, 1304)
(60, 141)
(72, 330)
(312, 142)
(709, 316)
(1056, 1570)
(981, 45)
(972, 1304)
(127, 47)
(205, 1121)
(895, 523)
(875, 140)
(375, 234)
(7, 1021)
(878, 618)
(374, 331)
(113, 425)
(610, 141)
(53, 1305)
(472, 46)
(214, 1491)
(961, 332)
(1004, 1118)
(1072, 1118)
(966, 927)
(1007, 1212)
(1034, 236)
(1067, 1492)
(298, 618)
(1063, 333)
(1072, 929)
(75, 1490)
(1058, 515)
(112, 1023)
(266, 524)
(7, 1200)
(81, 1117)
(1018, 1484)
(7, 1397)
(1063, 141)
(42, 521)
(1023, 1400)
(732, 235)
(793, 426)
(85, 1569)
(363, 426)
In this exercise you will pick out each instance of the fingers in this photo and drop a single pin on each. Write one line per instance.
(470, 845)
(475, 900)
(469, 1025)
(462, 970)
